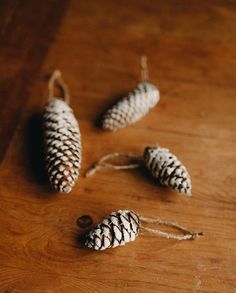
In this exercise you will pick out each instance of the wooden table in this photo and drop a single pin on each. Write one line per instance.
(191, 48)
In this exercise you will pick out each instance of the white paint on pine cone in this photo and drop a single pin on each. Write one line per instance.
(167, 169)
(63, 145)
(132, 108)
(117, 229)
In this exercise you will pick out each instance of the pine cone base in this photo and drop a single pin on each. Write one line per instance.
(117, 229)
(167, 169)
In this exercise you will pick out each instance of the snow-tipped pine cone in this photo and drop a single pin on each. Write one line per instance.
(62, 145)
(131, 108)
(167, 169)
(117, 229)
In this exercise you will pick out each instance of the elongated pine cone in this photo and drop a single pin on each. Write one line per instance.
(117, 229)
(167, 169)
(62, 145)
(132, 108)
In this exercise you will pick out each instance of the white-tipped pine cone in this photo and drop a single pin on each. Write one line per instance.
(167, 169)
(117, 229)
(62, 145)
(131, 108)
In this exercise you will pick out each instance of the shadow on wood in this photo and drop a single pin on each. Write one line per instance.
(35, 149)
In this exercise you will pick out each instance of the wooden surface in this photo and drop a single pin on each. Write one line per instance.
(191, 47)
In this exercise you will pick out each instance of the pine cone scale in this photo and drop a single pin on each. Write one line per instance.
(127, 234)
(106, 232)
(168, 172)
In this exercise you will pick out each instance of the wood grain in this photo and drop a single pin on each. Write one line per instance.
(191, 47)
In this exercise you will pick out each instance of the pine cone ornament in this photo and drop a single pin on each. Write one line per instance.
(167, 169)
(132, 108)
(62, 141)
(117, 229)
(164, 166)
(122, 227)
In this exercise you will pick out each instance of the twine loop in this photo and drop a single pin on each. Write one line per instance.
(144, 69)
(56, 79)
(102, 163)
(186, 234)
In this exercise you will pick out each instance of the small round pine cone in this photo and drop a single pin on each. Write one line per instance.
(132, 108)
(117, 229)
(167, 169)
(62, 145)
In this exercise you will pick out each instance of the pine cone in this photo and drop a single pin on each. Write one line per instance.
(63, 145)
(117, 229)
(132, 108)
(167, 169)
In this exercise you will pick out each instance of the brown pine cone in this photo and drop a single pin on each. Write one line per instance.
(132, 108)
(62, 145)
(117, 229)
(167, 169)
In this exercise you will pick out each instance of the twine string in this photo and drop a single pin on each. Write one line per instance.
(169, 235)
(56, 78)
(102, 163)
(144, 69)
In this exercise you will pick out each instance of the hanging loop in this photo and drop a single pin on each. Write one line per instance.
(144, 69)
(56, 78)
(103, 164)
(169, 235)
